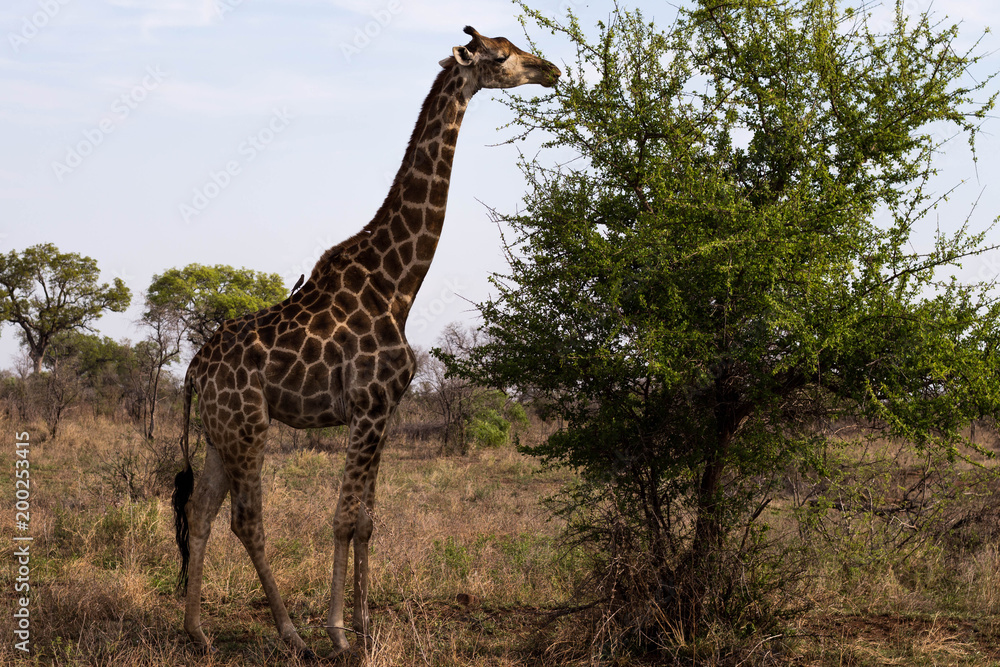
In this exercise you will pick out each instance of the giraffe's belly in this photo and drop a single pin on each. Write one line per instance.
(307, 409)
(310, 421)
(315, 412)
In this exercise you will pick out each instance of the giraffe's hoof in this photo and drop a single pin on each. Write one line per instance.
(299, 648)
(339, 639)
(347, 656)
(206, 649)
(306, 655)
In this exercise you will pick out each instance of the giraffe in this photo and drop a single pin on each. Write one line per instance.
(333, 353)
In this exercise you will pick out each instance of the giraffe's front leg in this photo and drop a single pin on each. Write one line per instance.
(352, 522)
(363, 530)
(343, 532)
(362, 534)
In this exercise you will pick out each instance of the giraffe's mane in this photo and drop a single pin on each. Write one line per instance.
(347, 248)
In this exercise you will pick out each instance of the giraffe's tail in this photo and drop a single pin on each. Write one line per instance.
(183, 487)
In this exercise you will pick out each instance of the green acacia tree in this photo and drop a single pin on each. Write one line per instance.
(724, 260)
(203, 297)
(47, 293)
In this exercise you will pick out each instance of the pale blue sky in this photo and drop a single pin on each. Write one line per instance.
(118, 119)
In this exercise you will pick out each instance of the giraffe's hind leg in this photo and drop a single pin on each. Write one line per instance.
(211, 490)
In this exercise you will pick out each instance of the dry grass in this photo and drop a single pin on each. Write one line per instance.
(465, 562)
(104, 564)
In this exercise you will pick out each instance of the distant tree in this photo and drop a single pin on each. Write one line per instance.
(101, 364)
(45, 292)
(471, 413)
(203, 297)
(451, 398)
(121, 375)
(161, 348)
(94, 354)
(55, 392)
(728, 259)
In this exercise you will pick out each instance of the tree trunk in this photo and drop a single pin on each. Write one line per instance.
(152, 403)
(708, 528)
(698, 570)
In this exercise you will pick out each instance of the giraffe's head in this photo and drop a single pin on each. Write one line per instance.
(496, 63)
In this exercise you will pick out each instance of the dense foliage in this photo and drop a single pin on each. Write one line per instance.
(46, 293)
(203, 297)
(715, 258)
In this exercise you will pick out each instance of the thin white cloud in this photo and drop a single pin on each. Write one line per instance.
(425, 16)
(15, 186)
(266, 89)
(38, 96)
(153, 15)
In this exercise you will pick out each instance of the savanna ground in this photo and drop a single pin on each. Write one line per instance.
(467, 566)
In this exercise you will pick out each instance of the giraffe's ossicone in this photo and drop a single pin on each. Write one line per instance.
(333, 353)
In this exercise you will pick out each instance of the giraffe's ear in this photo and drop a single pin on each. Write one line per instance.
(462, 56)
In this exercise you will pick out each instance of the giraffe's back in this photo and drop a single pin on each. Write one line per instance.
(306, 354)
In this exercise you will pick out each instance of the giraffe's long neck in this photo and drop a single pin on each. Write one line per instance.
(397, 246)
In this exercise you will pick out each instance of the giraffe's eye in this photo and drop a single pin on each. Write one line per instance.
(500, 60)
